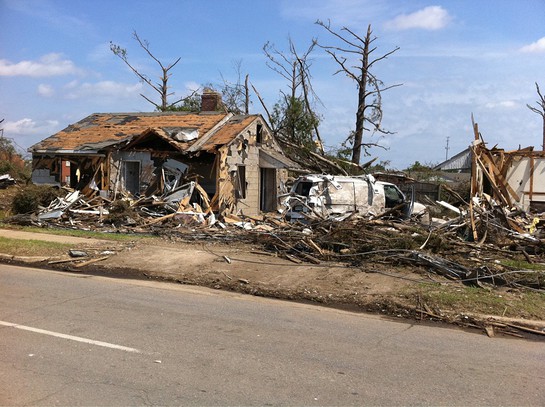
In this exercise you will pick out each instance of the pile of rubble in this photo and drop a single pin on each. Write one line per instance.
(470, 246)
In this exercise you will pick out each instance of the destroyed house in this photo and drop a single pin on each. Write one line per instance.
(513, 178)
(234, 159)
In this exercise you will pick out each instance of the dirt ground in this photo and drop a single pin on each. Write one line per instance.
(237, 267)
(240, 267)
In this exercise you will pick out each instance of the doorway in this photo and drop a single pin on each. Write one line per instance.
(131, 175)
(267, 201)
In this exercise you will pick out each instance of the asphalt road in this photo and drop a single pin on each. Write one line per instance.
(68, 339)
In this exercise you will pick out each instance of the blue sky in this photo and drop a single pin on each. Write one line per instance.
(456, 58)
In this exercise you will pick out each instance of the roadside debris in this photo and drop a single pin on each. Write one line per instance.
(6, 180)
(77, 253)
(446, 247)
(82, 258)
(489, 239)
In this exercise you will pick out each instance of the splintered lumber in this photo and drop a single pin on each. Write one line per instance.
(310, 258)
(62, 261)
(311, 243)
(162, 218)
(505, 200)
(184, 204)
(472, 220)
(203, 196)
(292, 259)
(231, 219)
(503, 184)
(256, 218)
(86, 263)
(277, 222)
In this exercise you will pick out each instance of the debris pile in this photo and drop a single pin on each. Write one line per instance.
(444, 247)
(80, 258)
(490, 238)
(6, 180)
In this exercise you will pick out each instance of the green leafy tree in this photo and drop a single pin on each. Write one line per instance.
(191, 103)
(422, 172)
(291, 119)
(11, 161)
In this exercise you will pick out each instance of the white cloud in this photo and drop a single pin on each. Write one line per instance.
(429, 18)
(536, 47)
(101, 53)
(45, 90)
(28, 126)
(507, 104)
(108, 89)
(191, 86)
(48, 65)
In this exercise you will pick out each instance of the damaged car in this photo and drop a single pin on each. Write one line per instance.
(337, 197)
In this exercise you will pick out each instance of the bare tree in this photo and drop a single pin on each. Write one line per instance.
(540, 111)
(236, 96)
(370, 88)
(295, 115)
(160, 87)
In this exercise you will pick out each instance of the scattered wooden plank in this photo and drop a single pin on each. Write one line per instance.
(62, 261)
(292, 259)
(310, 258)
(314, 246)
(526, 329)
(86, 263)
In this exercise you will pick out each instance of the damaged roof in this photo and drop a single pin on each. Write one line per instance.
(101, 130)
(458, 162)
(235, 125)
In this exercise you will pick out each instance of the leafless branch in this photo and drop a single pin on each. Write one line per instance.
(269, 117)
(368, 85)
(162, 86)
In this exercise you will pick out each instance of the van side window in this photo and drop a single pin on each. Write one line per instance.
(393, 196)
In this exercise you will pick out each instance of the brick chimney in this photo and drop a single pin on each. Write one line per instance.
(211, 101)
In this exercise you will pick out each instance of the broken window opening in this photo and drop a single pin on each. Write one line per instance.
(259, 134)
(393, 196)
(240, 182)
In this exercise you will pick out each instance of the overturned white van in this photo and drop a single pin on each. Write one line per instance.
(328, 196)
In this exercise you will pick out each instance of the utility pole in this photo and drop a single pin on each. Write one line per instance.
(447, 148)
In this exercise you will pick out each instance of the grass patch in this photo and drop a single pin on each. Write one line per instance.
(497, 301)
(18, 247)
(521, 265)
(118, 237)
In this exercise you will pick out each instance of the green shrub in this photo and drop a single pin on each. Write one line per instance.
(29, 198)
